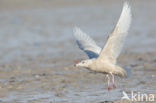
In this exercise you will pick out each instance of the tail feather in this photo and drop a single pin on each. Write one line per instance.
(120, 72)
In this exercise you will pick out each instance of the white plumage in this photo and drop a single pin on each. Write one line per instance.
(115, 40)
(86, 43)
(104, 60)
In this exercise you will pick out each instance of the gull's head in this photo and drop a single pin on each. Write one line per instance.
(84, 63)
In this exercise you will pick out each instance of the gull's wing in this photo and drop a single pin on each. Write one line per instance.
(115, 40)
(86, 44)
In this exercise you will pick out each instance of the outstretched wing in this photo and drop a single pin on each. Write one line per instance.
(115, 40)
(86, 44)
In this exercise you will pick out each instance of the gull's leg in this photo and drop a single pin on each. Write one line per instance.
(114, 85)
(108, 82)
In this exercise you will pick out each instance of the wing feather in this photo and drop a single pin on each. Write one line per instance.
(115, 40)
(86, 43)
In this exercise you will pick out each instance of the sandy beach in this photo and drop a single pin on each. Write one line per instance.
(38, 51)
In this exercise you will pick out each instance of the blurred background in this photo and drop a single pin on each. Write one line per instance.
(37, 49)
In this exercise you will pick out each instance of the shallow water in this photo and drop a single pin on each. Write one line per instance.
(38, 50)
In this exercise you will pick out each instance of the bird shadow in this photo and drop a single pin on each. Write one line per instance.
(128, 71)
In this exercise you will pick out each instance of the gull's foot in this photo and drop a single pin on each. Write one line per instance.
(109, 88)
(114, 86)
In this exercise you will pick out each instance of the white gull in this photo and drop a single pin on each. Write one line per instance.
(104, 60)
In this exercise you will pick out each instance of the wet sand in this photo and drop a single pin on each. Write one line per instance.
(38, 51)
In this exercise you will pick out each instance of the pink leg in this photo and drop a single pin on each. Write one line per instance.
(108, 82)
(114, 85)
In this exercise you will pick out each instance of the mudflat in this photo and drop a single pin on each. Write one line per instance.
(38, 50)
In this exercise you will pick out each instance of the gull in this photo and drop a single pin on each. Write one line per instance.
(105, 60)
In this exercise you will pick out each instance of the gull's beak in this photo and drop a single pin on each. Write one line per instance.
(77, 60)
